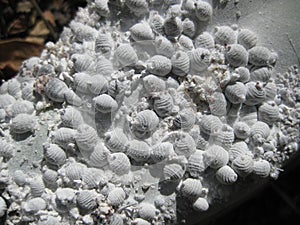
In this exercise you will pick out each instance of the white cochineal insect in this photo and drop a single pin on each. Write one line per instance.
(159, 65)
(216, 156)
(164, 46)
(261, 56)
(55, 90)
(268, 112)
(71, 117)
(201, 204)
(217, 103)
(243, 165)
(23, 123)
(173, 27)
(173, 171)
(261, 168)
(190, 188)
(104, 103)
(146, 211)
(244, 74)
(247, 38)
(163, 103)
(7, 150)
(210, 123)
(139, 151)
(189, 28)
(138, 7)
(204, 40)
(196, 164)
(99, 156)
(225, 35)
(153, 83)
(116, 141)
(162, 151)
(199, 60)
(86, 201)
(86, 139)
(119, 163)
(262, 74)
(116, 197)
(241, 130)
(180, 63)
(226, 175)
(185, 119)
(259, 132)
(255, 93)
(141, 32)
(237, 55)
(54, 155)
(63, 137)
(125, 55)
(203, 10)
(236, 93)
(237, 149)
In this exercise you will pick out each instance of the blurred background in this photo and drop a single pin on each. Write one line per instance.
(26, 25)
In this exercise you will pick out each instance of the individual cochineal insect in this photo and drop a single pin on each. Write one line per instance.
(205, 40)
(180, 63)
(226, 175)
(162, 151)
(86, 201)
(262, 74)
(209, 123)
(268, 112)
(201, 204)
(255, 93)
(183, 143)
(186, 43)
(54, 155)
(223, 136)
(116, 197)
(119, 163)
(185, 119)
(241, 130)
(259, 132)
(225, 35)
(196, 164)
(99, 156)
(242, 165)
(159, 65)
(237, 149)
(139, 151)
(64, 137)
(173, 171)
(190, 188)
(6, 150)
(105, 103)
(199, 60)
(164, 47)
(144, 123)
(23, 123)
(173, 27)
(217, 103)
(55, 90)
(261, 56)
(125, 55)
(116, 140)
(261, 168)
(156, 22)
(86, 139)
(189, 28)
(216, 156)
(102, 8)
(20, 106)
(141, 32)
(236, 93)
(71, 117)
(146, 211)
(103, 44)
(247, 38)
(236, 55)
(163, 103)
(37, 186)
(153, 83)
(138, 7)
(244, 74)
(203, 10)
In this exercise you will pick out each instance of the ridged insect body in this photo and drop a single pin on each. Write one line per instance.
(141, 32)
(147, 211)
(164, 47)
(14, 88)
(138, 7)
(102, 8)
(237, 55)
(260, 56)
(173, 27)
(163, 104)
(242, 165)
(6, 150)
(97, 84)
(50, 178)
(196, 164)
(191, 188)
(105, 103)
(81, 82)
(64, 199)
(37, 186)
(189, 28)
(259, 132)
(184, 144)
(156, 22)
(93, 178)
(217, 104)
(226, 175)
(199, 60)
(86, 138)
(261, 168)
(86, 201)
(72, 98)
(3, 207)
(180, 63)
(241, 130)
(33, 205)
(144, 123)
(248, 114)
(116, 197)
(236, 93)
(271, 90)
(244, 74)
(125, 55)
(19, 177)
(262, 74)
(185, 119)
(104, 44)
(201, 205)
(210, 123)
(23, 123)
(6, 100)
(173, 171)
(119, 163)
(247, 38)
(225, 35)
(71, 117)
(55, 90)
(255, 93)
(216, 156)
(153, 83)
(224, 136)
(103, 66)
(72, 172)
(159, 65)
(186, 43)
(82, 32)
(139, 151)
(99, 156)
(204, 40)
(268, 112)
(63, 137)
(21, 106)
(54, 155)
(237, 149)
(116, 219)
(162, 151)
(82, 62)
(116, 140)
(117, 89)
(203, 10)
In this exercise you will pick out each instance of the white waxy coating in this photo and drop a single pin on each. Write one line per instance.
(116, 197)
(180, 63)
(242, 165)
(3, 207)
(216, 156)
(199, 60)
(86, 201)
(147, 211)
(105, 103)
(236, 93)
(23, 123)
(153, 83)
(217, 104)
(203, 10)
(159, 65)
(6, 150)
(237, 55)
(237, 149)
(141, 32)
(205, 40)
(54, 155)
(225, 35)
(71, 117)
(173, 171)
(119, 163)
(55, 90)
(116, 140)
(196, 164)
(268, 112)
(200, 204)
(34, 205)
(139, 151)
(247, 38)
(173, 27)
(86, 139)
(191, 188)
(99, 156)
(261, 168)
(226, 175)
(126, 55)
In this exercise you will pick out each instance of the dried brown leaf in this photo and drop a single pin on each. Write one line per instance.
(50, 17)
(17, 26)
(24, 7)
(40, 29)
